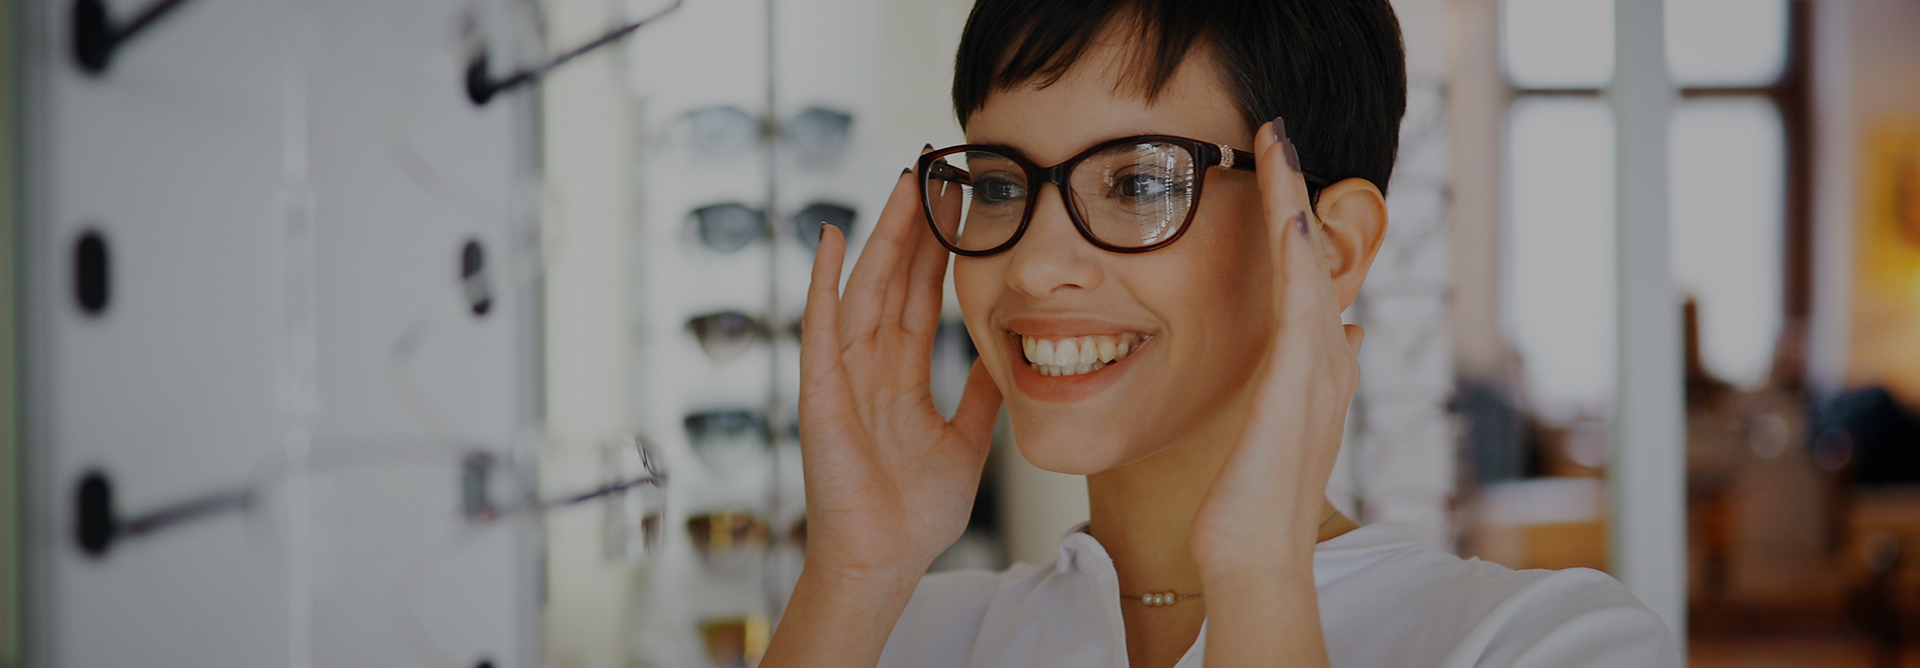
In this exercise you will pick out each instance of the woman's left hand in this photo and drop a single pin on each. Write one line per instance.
(1254, 536)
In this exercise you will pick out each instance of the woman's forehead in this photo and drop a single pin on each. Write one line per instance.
(1093, 101)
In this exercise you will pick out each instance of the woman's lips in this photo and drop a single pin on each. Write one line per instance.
(1058, 382)
(1076, 355)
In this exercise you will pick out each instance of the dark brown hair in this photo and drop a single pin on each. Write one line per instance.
(1334, 69)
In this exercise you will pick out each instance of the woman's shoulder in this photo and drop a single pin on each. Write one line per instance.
(1387, 583)
(943, 619)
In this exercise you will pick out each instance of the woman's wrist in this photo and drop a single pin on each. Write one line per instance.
(862, 578)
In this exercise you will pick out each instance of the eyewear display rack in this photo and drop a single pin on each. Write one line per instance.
(752, 131)
(280, 335)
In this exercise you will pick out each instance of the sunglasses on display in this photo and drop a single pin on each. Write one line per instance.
(732, 539)
(728, 334)
(731, 226)
(808, 222)
(1127, 195)
(727, 439)
(815, 134)
(735, 642)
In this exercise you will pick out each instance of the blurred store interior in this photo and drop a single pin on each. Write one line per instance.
(462, 332)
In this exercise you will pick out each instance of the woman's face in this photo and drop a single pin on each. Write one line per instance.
(1200, 309)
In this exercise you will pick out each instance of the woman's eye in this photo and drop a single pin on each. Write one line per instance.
(1141, 187)
(997, 190)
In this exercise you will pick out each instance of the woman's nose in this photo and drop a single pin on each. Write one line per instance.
(1052, 256)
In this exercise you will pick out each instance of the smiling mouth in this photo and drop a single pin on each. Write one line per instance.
(1073, 356)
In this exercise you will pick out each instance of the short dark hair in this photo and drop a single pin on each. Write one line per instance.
(1335, 69)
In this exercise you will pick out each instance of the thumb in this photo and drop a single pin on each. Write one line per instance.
(979, 405)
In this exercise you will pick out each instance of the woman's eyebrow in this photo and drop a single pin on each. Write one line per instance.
(1023, 152)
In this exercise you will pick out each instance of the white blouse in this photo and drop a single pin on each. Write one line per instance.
(1386, 601)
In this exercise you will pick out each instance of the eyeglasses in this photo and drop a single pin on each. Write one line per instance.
(1127, 195)
(729, 539)
(727, 439)
(807, 223)
(731, 226)
(735, 642)
(727, 334)
(815, 134)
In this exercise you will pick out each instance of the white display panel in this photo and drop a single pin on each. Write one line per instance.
(173, 154)
(286, 190)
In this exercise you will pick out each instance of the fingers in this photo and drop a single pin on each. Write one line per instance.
(887, 252)
(1283, 186)
(820, 324)
(926, 280)
(1302, 283)
(979, 405)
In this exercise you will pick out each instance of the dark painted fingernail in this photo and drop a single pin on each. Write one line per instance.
(926, 148)
(1279, 129)
(906, 171)
(1293, 157)
(1301, 222)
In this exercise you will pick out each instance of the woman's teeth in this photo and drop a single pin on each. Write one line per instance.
(1077, 355)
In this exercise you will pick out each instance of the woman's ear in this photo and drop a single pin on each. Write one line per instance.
(1354, 215)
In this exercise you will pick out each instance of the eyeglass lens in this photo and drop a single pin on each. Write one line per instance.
(818, 133)
(735, 642)
(724, 129)
(726, 335)
(807, 222)
(729, 227)
(1129, 196)
(815, 134)
(728, 539)
(726, 440)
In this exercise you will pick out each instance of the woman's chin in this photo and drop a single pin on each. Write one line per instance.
(1073, 447)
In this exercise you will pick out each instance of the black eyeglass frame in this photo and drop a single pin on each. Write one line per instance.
(1205, 155)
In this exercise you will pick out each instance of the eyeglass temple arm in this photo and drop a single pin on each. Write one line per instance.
(95, 35)
(481, 86)
(1243, 161)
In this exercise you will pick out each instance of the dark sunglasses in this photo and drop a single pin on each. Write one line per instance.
(729, 227)
(815, 134)
(727, 439)
(727, 334)
(807, 223)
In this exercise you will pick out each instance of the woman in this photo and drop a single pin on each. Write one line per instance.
(1183, 352)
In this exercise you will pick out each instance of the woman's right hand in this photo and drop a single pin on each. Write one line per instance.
(889, 481)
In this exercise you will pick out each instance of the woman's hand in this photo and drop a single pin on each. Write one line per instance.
(889, 481)
(1254, 536)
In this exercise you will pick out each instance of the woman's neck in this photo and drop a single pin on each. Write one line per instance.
(1142, 514)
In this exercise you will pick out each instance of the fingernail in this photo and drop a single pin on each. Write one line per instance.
(823, 235)
(1293, 157)
(1279, 129)
(906, 171)
(926, 148)
(1301, 222)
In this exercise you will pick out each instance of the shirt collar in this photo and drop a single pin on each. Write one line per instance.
(1078, 549)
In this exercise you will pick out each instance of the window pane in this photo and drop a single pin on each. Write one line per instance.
(1726, 42)
(1728, 218)
(1558, 291)
(1558, 43)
